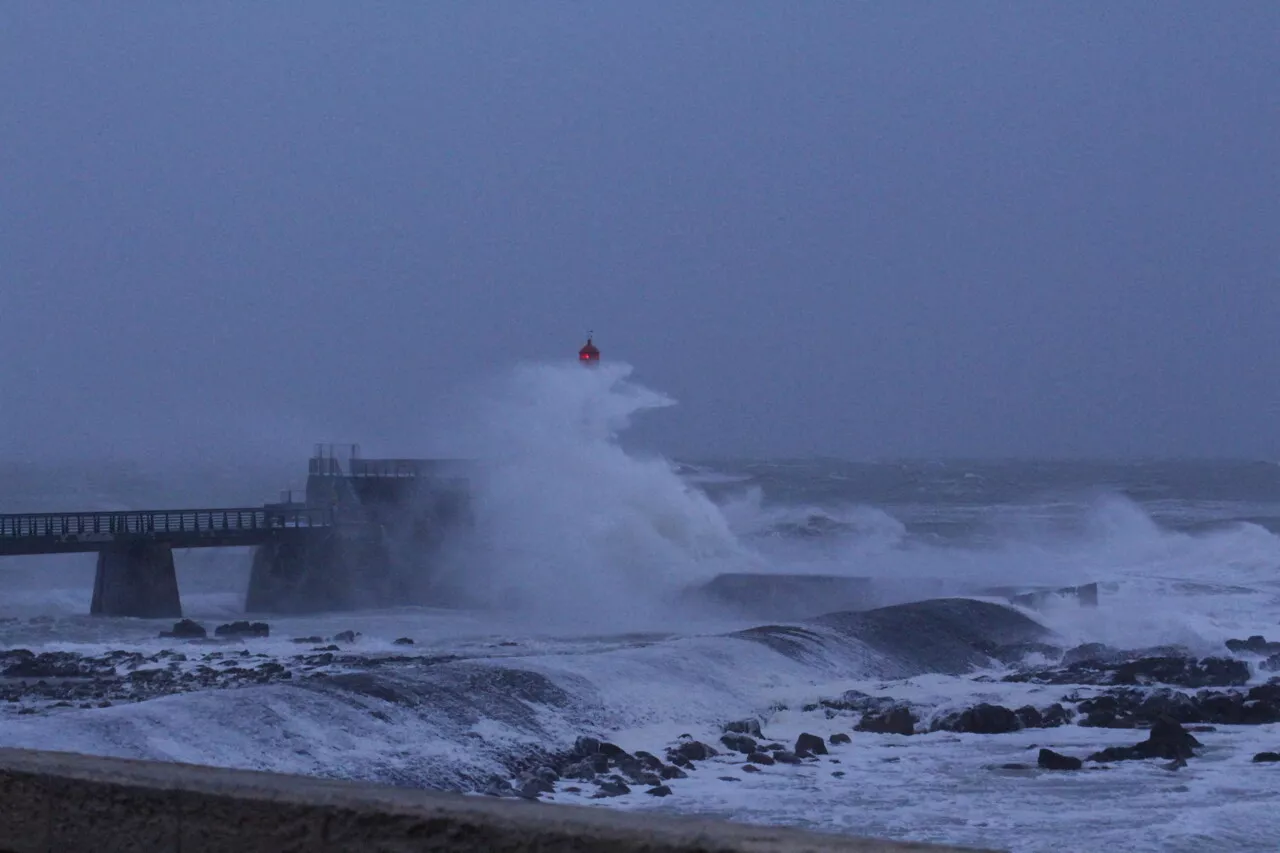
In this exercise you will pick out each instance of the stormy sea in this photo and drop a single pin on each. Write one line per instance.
(1020, 655)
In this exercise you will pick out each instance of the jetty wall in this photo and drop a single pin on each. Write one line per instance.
(57, 802)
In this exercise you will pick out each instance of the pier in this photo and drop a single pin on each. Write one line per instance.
(364, 532)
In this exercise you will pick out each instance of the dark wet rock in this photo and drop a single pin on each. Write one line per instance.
(944, 635)
(586, 746)
(1257, 645)
(346, 637)
(744, 727)
(679, 760)
(632, 769)
(1167, 739)
(599, 762)
(783, 756)
(984, 719)
(672, 773)
(811, 744)
(1271, 664)
(739, 743)
(187, 629)
(839, 738)
(1266, 757)
(302, 640)
(1050, 760)
(1030, 717)
(498, 787)
(659, 791)
(695, 750)
(536, 785)
(1138, 707)
(1269, 692)
(1176, 670)
(728, 778)
(1185, 672)
(855, 700)
(839, 774)
(243, 629)
(760, 758)
(329, 648)
(613, 751)
(1018, 652)
(579, 770)
(47, 665)
(611, 788)
(402, 641)
(1055, 715)
(637, 775)
(548, 775)
(648, 760)
(1091, 653)
(530, 791)
(1115, 710)
(898, 721)
(750, 768)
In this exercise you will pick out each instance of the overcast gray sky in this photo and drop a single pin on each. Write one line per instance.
(848, 228)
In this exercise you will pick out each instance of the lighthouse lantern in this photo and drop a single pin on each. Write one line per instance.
(589, 355)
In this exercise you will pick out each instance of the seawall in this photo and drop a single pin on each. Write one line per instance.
(57, 802)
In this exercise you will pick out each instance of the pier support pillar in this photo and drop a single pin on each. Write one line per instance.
(136, 580)
(338, 571)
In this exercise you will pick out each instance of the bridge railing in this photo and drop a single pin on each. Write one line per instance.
(151, 522)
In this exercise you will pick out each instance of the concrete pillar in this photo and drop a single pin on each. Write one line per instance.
(136, 580)
(338, 571)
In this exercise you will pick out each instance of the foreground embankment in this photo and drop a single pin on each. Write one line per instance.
(65, 802)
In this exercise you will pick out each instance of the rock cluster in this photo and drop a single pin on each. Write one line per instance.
(613, 770)
(243, 629)
(31, 683)
(1099, 666)
(53, 680)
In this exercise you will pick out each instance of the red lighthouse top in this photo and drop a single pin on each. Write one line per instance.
(589, 355)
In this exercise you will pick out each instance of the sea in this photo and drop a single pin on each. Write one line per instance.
(564, 611)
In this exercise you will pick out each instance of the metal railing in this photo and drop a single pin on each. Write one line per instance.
(149, 522)
(390, 468)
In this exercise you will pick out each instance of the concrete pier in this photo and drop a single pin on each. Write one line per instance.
(66, 803)
(333, 572)
(136, 579)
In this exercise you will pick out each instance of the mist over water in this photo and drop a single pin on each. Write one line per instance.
(570, 528)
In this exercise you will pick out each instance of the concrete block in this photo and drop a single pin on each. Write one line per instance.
(24, 814)
(111, 817)
(136, 579)
(214, 823)
(84, 804)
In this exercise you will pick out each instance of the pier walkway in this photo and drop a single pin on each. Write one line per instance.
(87, 532)
(363, 527)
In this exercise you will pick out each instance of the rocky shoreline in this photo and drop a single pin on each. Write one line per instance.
(47, 682)
(1168, 693)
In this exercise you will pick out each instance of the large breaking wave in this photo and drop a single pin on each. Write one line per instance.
(453, 724)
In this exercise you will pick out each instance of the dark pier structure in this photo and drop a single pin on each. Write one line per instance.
(365, 535)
